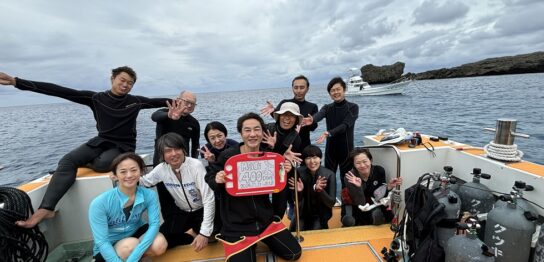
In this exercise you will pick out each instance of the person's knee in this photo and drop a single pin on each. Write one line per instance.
(124, 247)
(348, 221)
(101, 165)
(158, 247)
(377, 217)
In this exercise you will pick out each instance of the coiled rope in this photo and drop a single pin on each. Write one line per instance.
(508, 153)
(17, 243)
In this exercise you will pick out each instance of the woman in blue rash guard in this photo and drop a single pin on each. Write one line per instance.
(115, 216)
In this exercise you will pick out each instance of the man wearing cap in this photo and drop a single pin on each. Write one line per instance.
(283, 133)
(300, 85)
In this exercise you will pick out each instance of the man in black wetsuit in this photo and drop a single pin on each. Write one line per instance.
(115, 112)
(341, 116)
(179, 120)
(300, 85)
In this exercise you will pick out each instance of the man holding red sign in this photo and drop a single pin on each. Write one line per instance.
(249, 219)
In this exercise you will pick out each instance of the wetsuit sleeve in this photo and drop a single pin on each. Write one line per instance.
(357, 194)
(195, 140)
(160, 115)
(208, 200)
(98, 221)
(321, 114)
(77, 96)
(152, 178)
(313, 126)
(328, 196)
(151, 201)
(214, 168)
(349, 120)
(152, 102)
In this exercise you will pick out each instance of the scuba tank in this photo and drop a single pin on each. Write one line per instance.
(519, 187)
(509, 229)
(445, 177)
(445, 229)
(475, 197)
(461, 248)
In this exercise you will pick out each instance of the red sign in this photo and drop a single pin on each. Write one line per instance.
(255, 173)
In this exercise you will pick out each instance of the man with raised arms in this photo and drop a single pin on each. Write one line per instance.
(115, 112)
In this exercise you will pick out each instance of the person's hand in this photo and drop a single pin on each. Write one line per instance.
(175, 108)
(208, 155)
(353, 179)
(320, 184)
(306, 121)
(220, 177)
(300, 185)
(270, 139)
(267, 109)
(298, 127)
(199, 243)
(397, 181)
(6, 79)
(287, 166)
(322, 137)
(292, 156)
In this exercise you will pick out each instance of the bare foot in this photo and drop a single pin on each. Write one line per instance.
(36, 218)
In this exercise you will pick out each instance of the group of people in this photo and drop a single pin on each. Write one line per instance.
(194, 203)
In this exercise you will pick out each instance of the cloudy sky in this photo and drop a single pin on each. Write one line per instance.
(207, 46)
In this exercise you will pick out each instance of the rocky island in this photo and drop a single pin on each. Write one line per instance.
(518, 64)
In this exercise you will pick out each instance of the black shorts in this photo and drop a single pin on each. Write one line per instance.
(98, 257)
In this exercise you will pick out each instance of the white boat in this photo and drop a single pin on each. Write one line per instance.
(356, 86)
(70, 238)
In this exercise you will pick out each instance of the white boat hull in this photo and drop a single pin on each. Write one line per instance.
(391, 89)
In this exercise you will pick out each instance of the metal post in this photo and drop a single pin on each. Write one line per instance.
(299, 237)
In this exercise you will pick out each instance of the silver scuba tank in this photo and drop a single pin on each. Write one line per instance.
(475, 197)
(462, 248)
(509, 231)
(445, 229)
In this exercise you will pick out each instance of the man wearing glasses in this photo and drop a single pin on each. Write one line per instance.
(177, 118)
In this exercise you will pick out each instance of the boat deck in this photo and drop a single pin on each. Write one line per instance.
(362, 243)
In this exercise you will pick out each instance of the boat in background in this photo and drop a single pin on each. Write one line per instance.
(356, 86)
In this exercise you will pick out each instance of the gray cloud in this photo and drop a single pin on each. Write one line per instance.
(437, 12)
(218, 46)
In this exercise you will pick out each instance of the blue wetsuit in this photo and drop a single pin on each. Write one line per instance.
(109, 223)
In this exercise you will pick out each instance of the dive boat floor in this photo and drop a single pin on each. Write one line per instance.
(361, 243)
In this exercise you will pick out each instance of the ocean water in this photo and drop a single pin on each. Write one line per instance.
(33, 138)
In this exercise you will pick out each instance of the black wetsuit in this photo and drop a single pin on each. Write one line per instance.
(186, 126)
(362, 195)
(316, 207)
(306, 108)
(284, 138)
(116, 124)
(340, 125)
(250, 215)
